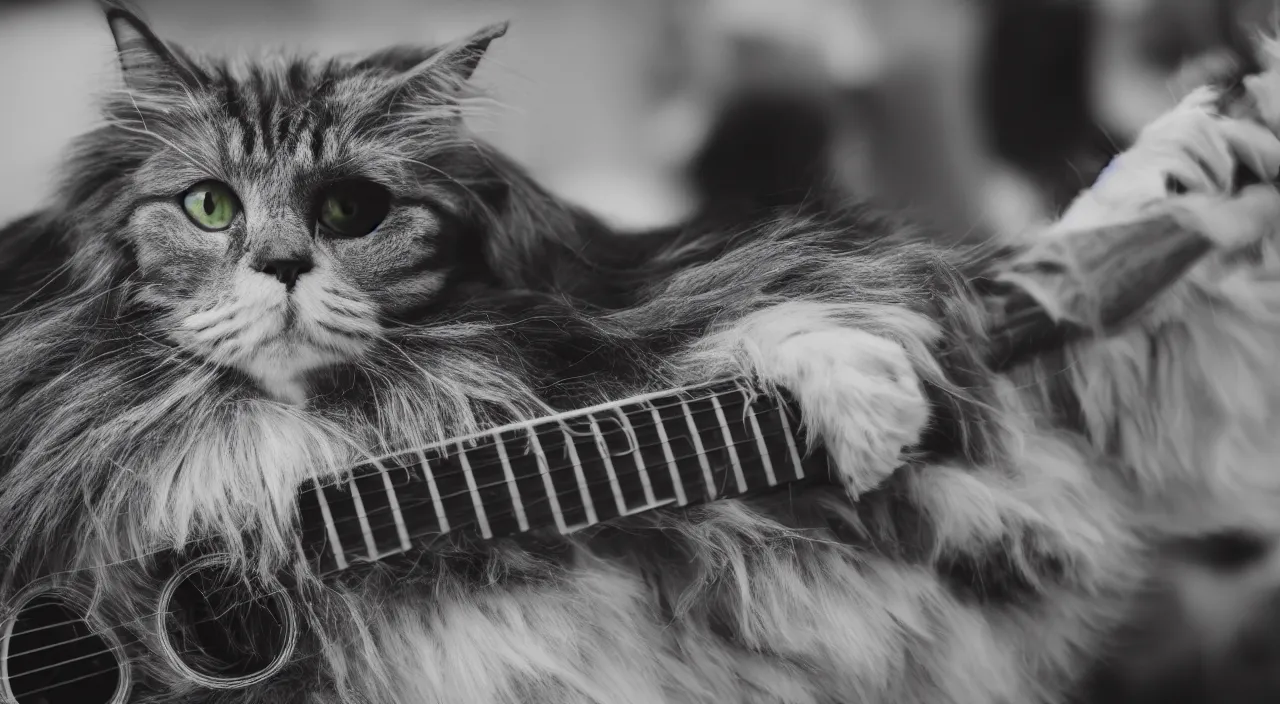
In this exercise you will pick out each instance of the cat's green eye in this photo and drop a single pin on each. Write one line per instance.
(353, 208)
(211, 205)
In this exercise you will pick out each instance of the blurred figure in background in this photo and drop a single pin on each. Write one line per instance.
(986, 117)
(880, 98)
(982, 115)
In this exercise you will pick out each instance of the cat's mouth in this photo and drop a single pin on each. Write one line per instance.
(281, 362)
(278, 340)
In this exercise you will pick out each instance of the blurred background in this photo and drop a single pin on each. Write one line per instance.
(981, 116)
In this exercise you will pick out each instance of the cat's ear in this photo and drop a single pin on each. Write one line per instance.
(147, 62)
(442, 74)
(458, 61)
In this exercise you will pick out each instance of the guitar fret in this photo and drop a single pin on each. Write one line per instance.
(667, 454)
(791, 442)
(607, 457)
(502, 476)
(583, 490)
(370, 546)
(546, 482)
(402, 530)
(485, 530)
(730, 446)
(696, 436)
(516, 502)
(436, 502)
(770, 477)
(335, 544)
(645, 482)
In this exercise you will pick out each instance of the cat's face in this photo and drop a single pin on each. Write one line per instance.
(281, 212)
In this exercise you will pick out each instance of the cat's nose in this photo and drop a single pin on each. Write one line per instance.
(286, 271)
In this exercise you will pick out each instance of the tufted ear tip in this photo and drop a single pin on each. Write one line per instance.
(497, 30)
(460, 59)
(431, 77)
(491, 31)
(127, 27)
(145, 59)
(126, 23)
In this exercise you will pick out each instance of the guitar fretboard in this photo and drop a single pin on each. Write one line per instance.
(564, 473)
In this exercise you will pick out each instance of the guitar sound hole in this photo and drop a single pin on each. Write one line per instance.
(224, 628)
(52, 656)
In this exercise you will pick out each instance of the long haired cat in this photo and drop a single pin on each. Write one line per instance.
(258, 272)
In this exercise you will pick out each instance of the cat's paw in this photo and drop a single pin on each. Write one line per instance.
(1242, 220)
(1190, 150)
(859, 394)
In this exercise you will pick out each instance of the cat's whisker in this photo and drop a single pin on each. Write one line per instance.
(223, 319)
(331, 326)
(70, 299)
(46, 281)
(343, 311)
(222, 306)
(207, 168)
(232, 326)
(434, 169)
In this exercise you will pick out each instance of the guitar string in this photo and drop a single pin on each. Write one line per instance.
(124, 624)
(64, 683)
(476, 467)
(643, 424)
(123, 644)
(114, 627)
(126, 663)
(489, 465)
(576, 489)
(720, 491)
(311, 489)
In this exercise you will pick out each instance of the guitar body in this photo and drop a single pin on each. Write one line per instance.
(593, 544)
(65, 639)
(541, 485)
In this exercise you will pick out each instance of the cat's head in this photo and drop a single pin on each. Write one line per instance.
(273, 215)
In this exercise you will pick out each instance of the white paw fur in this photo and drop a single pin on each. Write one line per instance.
(1192, 146)
(858, 392)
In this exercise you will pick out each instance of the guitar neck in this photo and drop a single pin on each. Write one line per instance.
(562, 473)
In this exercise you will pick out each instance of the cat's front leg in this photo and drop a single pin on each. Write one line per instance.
(858, 392)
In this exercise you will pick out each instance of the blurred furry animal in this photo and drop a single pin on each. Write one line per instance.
(1217, 588)
(144, 407)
